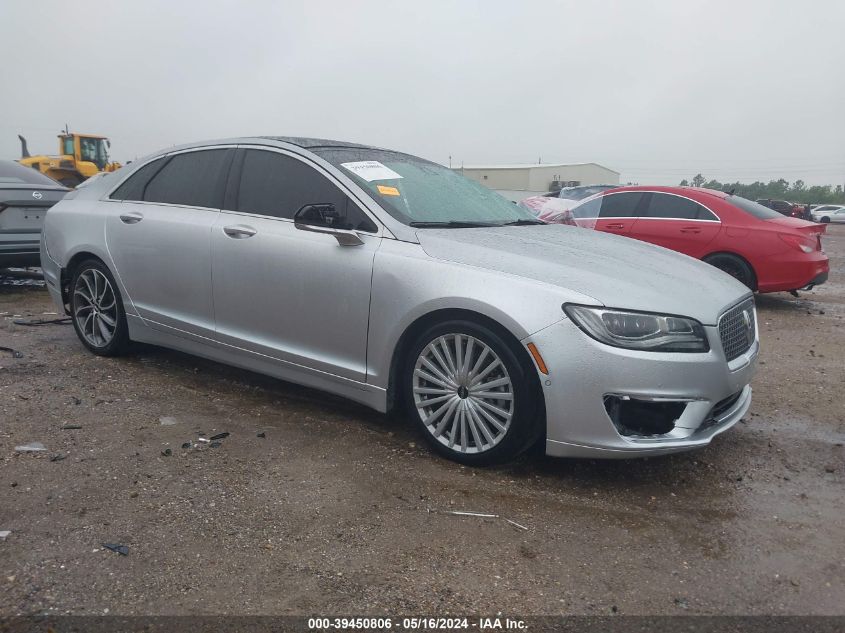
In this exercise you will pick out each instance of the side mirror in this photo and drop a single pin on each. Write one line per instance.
(326, 215)
(326, 218)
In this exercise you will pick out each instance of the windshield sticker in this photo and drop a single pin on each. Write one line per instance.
(388, 191)
(371, 170)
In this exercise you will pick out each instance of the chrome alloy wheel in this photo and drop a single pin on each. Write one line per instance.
(95, 307)
(463, 393)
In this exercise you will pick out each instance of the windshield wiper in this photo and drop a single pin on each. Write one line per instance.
(452, 224)
(523, 223)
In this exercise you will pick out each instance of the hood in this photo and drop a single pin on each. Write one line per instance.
(616, 271)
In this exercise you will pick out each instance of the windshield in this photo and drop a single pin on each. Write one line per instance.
(94, 150)
(419, 192)
(754, 208)
(15, 173)
(579, 193)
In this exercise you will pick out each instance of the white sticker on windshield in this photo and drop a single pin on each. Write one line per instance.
(371, 170)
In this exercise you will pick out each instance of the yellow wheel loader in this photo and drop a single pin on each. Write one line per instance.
(80, 157)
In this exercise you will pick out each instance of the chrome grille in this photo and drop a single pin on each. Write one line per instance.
(738, 329)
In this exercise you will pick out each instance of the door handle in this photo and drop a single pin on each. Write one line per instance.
(616, 225)
(133, 217)
(690, 229)
(239, 231)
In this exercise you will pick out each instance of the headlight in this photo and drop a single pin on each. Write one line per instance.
(640, 330)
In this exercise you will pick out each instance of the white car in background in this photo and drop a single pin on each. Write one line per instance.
(829, 213)
(554, 206)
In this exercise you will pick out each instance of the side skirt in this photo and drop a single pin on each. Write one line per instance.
(368, 395)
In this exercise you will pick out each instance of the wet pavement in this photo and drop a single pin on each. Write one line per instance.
(337, 509)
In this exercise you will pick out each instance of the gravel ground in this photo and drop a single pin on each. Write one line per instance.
(337, 509)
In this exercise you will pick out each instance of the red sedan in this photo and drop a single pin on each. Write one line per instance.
(763, 249)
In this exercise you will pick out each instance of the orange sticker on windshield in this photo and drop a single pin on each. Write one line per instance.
(387, 191)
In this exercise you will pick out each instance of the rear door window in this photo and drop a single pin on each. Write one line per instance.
(663, 205)
(195, 179)
(278, 185)
(621, 205)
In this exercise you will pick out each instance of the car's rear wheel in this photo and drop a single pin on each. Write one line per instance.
(825, 220)
(735, 267)
(469, 394)
(97, 310)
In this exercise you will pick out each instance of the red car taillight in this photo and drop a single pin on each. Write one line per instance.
(801, 243)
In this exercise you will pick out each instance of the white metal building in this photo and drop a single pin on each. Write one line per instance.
(520, 181)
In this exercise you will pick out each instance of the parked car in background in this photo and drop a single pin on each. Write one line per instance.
(396, 282)
(829, 213)
(555, 205)
(783, 207)
(25, 196)
(758, 246)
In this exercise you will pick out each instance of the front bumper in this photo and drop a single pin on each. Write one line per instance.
(711, 393)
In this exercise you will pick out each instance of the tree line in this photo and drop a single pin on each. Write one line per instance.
(779, 189)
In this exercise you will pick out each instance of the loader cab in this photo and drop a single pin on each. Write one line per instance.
(92, 149)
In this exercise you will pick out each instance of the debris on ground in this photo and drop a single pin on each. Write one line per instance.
(485, 516)
(58, 457)
(202, 439)
(220, 436)
(4, 534)
(167, 420)
(61, 321)
(120, 549)
(187, 445)
(215, 445)
(71, 427)
(167, 452)
(15, 353)
(261, 435)
(32, 447)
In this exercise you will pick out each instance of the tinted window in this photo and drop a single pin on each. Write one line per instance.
(15, 173)
(588, 209)
(278, 185)
(195, 179)
(133, 188)
(663, 205)
(753, 208)
(620, 205)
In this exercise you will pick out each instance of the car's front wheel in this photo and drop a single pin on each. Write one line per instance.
(470, 395)
(825, 220)
(97, 310)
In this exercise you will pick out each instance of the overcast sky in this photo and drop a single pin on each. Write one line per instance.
(739, 89)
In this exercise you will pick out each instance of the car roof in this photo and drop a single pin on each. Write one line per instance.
(676, 190)
(310, 143)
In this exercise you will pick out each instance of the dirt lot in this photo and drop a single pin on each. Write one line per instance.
(341, 510)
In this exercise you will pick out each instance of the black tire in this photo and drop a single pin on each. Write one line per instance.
(525, 424)
(735, 267)
(119, 342)
(70, 182)
(825, 220)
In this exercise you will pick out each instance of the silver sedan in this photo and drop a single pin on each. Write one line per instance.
(397, 283)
